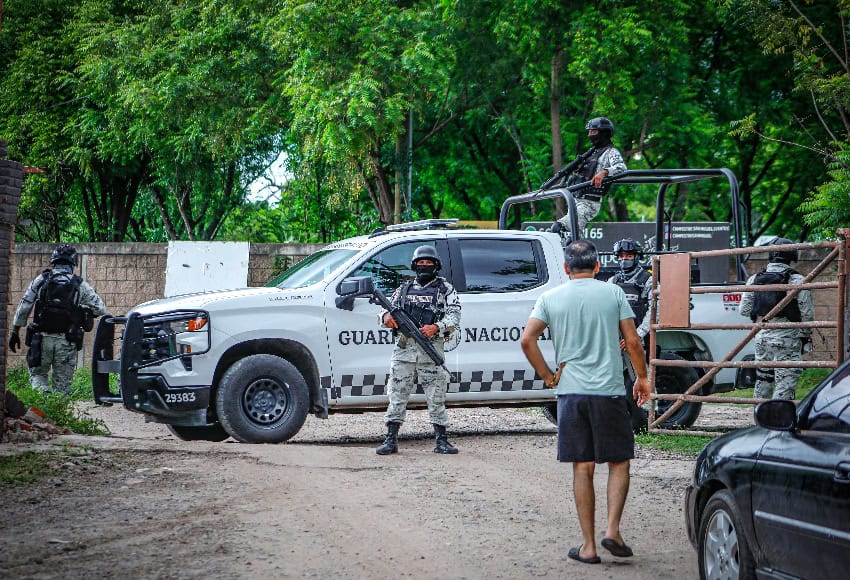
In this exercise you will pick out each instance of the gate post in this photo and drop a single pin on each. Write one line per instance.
(11, 178)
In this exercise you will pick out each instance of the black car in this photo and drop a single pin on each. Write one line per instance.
(773, 500)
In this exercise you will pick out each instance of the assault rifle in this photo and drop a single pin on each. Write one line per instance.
(364, 286)
(567, 169)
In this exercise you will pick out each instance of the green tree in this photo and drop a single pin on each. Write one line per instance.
(812, 39)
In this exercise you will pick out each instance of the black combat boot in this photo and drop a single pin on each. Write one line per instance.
(391, 442)
(443, 445)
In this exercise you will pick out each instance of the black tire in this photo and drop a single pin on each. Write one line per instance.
(723, 549)
(550, 411)
(262, 399)
(676, 380)
(639, 416)
(207, 433)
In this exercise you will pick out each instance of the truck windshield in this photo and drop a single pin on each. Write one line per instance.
(314, 268)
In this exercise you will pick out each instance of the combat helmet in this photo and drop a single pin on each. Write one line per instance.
(601, 124)
(426, 252)
(64, 254)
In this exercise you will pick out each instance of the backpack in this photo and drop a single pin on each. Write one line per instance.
(765, 300)
(56, 308)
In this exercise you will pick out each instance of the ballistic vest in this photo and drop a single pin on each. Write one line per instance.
(588, 170)
(765, 300)
(634, 291)
(420, 302)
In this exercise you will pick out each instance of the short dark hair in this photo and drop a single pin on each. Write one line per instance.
(581, 256)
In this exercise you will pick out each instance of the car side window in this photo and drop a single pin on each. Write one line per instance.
(390, 267)
(501, 265)
(830, 410)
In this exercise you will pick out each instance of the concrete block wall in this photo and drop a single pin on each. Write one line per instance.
(127, 274)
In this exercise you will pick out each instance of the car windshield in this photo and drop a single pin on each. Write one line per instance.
(314, 268)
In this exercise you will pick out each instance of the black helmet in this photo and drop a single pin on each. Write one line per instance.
(425, 252)
(628, 245)
(600, 123)
(64, 254)
(786, 256)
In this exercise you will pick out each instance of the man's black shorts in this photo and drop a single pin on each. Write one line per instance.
(594, 428)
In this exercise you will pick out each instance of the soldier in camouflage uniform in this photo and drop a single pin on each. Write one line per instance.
(57, 330)
(433, 304)
(605, 161)
(635, 281)
(784, 344)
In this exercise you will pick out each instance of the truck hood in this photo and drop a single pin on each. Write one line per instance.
(203, 300)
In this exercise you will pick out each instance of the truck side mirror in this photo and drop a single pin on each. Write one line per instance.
(351, 288)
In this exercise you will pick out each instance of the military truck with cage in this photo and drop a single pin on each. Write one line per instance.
(252, 363)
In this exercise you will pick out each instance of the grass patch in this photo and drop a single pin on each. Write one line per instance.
(24, 468)
(59, 407)
(808, 381)
(687, 444)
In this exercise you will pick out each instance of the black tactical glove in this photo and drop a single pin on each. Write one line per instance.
(14, 340)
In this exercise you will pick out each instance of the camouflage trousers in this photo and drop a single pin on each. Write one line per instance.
(60, 355)
(777, 349)
(403, 378)
(586, 210)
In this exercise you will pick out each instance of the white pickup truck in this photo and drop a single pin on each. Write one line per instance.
(252, 363)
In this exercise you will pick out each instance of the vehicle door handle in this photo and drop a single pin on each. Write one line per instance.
(842, 472)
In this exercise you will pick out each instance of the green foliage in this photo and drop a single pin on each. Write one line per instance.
(60, 408)
(24, 468)
(807, 382)
(829, 206)
(152, 118)
(686, 444)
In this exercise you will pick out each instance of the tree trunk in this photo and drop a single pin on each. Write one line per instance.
(383, 190)
(555, 119)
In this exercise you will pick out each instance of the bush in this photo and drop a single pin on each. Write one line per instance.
(59, 407)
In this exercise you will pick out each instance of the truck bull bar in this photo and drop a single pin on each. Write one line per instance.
(138, 392)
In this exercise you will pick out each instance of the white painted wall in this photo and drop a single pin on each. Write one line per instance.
(205, 266)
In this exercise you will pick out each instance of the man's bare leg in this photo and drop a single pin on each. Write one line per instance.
(618, 490)
(585, 505)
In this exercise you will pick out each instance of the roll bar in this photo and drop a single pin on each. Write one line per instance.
(664, 178)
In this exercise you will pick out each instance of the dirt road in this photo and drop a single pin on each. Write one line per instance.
(142, 504)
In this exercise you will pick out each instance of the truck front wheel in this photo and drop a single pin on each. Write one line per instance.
(262, 399)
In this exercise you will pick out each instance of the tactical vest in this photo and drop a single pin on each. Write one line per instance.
(57, 302)
(634, 291)
(765, 300)
(588, 170)
(420, 303)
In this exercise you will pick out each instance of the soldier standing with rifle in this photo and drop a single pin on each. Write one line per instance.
(65, 307)
(601, 161)
(432, 303)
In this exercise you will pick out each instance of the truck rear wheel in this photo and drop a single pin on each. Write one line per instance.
(206, 433)
(672, 381)
(262, 399)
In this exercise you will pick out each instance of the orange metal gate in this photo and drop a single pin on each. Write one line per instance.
(671, 310)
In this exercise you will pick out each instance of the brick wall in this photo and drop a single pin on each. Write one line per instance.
(126, 274)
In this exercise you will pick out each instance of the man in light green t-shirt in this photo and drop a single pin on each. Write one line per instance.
(586, 318)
